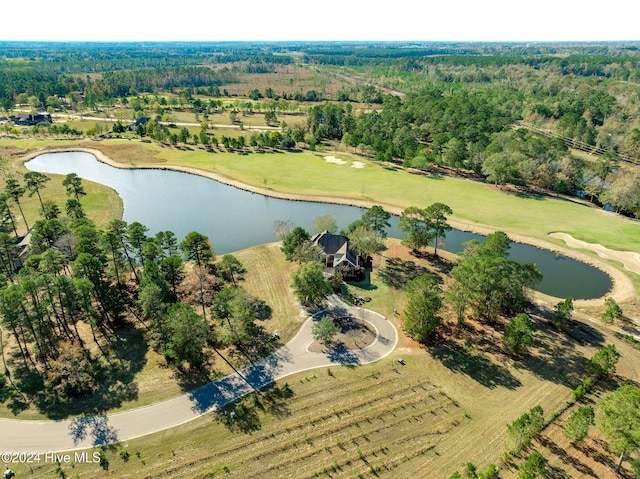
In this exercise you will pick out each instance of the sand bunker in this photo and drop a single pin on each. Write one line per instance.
(333, 159)
(338, 161)
(629, 259)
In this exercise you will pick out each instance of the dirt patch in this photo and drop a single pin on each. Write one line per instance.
(127, 153)
(354, 334)
(11, 152)
(196, 278)
(118, 156)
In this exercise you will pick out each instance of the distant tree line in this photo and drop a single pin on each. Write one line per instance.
(77, 58)
(474, 131)
(19, 86)
(459, 111)
(132, 82)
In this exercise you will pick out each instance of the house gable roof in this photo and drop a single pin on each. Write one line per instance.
(337, 245)
(330, 243)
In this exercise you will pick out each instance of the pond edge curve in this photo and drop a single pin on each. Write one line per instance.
(622, 287)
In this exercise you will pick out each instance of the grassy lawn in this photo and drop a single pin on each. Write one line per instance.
(101, 204)
(307, 173)
(268, 278)
(473, 203)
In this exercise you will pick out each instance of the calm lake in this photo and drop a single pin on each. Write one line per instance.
(234, 219)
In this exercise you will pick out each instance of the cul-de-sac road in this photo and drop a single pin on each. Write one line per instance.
(294, 357)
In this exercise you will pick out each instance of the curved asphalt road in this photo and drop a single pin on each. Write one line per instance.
(86, 432)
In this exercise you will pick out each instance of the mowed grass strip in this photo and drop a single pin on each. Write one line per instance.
(473, 203)
(101, 203)
(269, 278)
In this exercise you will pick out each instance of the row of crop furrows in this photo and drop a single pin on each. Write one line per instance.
(371, 406)
(340, 441)
(394, 444)
(323, 420)
(363, 392)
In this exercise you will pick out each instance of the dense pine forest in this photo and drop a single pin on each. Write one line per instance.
(111, 281)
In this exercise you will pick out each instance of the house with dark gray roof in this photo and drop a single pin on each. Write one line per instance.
(142, 121)
(338, 256)
(32, 119)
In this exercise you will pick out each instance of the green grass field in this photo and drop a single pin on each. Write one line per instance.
(268, 279)
(101, 204)
(473, 203)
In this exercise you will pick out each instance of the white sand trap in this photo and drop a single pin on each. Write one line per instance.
(629, 259)
(333, 159)
(357, 164)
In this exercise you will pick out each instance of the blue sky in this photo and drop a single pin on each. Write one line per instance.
(223, 20)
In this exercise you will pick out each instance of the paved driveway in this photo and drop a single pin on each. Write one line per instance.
(294, 357)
